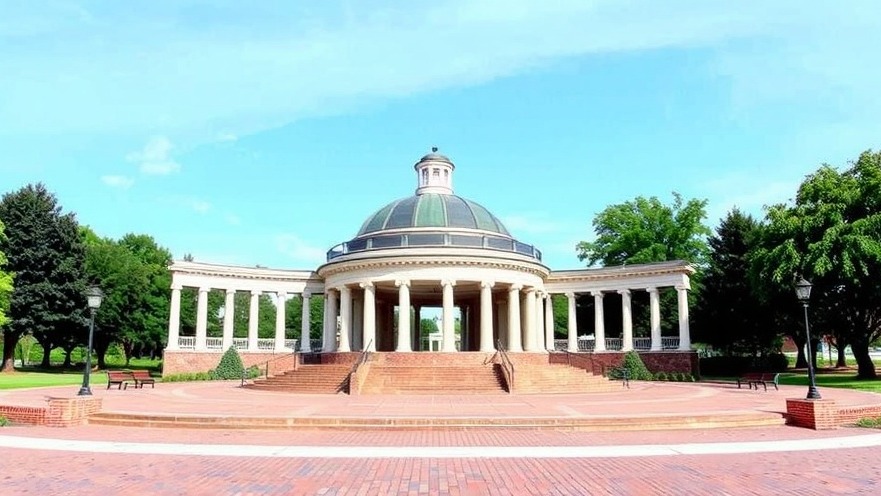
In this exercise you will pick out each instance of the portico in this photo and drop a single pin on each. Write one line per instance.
(430, 250)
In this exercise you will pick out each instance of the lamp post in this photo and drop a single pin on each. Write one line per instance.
(803, 292)
(94, 297)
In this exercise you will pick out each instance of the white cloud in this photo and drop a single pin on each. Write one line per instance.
(155, 158)
(233, 220)
(300, 251)
(171, 67)
(533, 223)
(227, 137)
(200, 206)
(120, 182)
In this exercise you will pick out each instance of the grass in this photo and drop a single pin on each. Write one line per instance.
(28, 379)
(845, 380)
(870, 422)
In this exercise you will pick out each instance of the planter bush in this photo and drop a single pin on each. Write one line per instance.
(230, 366)
(638, 370)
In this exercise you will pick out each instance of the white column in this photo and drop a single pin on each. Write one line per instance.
(626, 321)
(529, 341)
(599, 321)
(306, 324)
(486, 316)
(330, 324)
(369, 316)
(345, 318)
(539, 322)
(253, 314)
(514, 332)
(202, 319)
(403, 316)
(280, 299)
(571, 324)
(229, 318)
(654, 303)
(684, 332)
(357, 324)
(449, 332)
(550, 345)
(174, 319)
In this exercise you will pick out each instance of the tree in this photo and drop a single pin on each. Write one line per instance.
(5, 282)
(46, 254)
(832, 236)
(730, 315)
(645, 230)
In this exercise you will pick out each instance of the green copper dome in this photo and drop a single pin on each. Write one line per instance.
(433, 210)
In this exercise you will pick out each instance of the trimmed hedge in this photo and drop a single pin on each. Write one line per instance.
(638, 370)
(230, 366)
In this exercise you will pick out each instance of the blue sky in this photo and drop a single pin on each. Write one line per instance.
(266, 132)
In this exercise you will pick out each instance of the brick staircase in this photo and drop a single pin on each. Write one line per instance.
(559, 378)
(434, 379)
(308, 379)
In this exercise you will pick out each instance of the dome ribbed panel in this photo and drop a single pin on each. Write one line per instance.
(458, 213)
(430, 211)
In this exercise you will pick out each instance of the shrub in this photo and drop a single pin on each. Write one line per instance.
(660, 376)
(190, 376)
(870, 422)
(689, 378)
(633, 363)
(778, 362)
(674, 377)
(230, 366)
(253, 372)
(3, 421)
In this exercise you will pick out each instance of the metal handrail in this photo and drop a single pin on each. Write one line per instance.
(588, 357)
(264, 366)
(507, 366)
(362, 359)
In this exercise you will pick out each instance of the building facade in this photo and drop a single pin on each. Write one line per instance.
(431, 249)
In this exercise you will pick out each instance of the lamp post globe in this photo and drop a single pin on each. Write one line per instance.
(803, 292)
(94, 297)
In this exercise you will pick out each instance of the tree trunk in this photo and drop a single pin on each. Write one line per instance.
(47, 350)
(101, 351)
(842, 356)
(67, 352)
(801, 362)
(865, 365)
(127, 350)
(10, 339)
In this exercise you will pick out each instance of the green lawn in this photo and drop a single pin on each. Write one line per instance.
(22, 379)
(846, 380)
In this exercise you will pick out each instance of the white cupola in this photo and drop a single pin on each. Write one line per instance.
(434, 174)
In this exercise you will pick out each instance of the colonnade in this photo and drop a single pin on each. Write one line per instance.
(520, 317)
(279, 343)
(627, 320)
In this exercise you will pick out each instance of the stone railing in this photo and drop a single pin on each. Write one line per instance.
(186, 342)
(615, 344)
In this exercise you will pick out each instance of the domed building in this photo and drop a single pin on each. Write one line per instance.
(433, 249)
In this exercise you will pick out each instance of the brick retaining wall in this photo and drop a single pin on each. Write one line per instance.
(59, 412)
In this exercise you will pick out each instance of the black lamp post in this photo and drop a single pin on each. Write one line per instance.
(94, 296)
(803, 292)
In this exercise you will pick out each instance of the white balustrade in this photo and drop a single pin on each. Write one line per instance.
(291, 344)
(670, 343)
(315, 344)
(587, 345)
(214, 343)
(186, 342)
(265, 344)
(642, 344)
(614, 344)
(240, 343)
(561, 344)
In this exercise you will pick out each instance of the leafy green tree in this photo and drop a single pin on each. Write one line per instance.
(428, 326)
(46, 254)
(646, 230)
(730, 315)
(832, 235)
(5, 282)
(294, 317)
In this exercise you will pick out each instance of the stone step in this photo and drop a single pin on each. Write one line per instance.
(618, 423)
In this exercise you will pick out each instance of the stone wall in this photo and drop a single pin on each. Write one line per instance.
(813, 414)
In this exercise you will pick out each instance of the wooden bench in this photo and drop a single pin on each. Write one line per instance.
(142, 377)
(753, 379)
(120, 377)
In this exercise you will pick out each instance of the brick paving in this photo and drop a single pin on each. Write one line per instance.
(825, 472)
(822, 471)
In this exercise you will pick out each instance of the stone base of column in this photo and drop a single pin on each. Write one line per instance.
(813, 414)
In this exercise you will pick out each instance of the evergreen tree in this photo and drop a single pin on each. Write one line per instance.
(5, 282)
(729, 315)
(46, 254)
